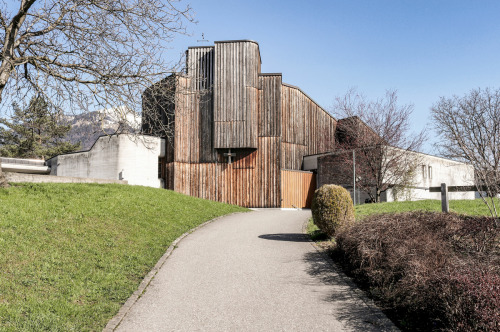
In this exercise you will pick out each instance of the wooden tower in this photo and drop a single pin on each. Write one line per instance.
(236, 135)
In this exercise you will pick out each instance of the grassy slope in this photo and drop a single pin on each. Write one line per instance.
(71, 254)
(469, 207)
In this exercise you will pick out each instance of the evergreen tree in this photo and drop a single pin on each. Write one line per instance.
(34, 132)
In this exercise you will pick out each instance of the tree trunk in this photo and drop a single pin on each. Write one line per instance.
(3, 181)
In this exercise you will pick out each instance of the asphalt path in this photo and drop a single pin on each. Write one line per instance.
(252, 271)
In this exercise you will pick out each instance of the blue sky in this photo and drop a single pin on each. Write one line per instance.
(424, 49)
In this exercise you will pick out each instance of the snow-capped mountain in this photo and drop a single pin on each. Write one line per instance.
(87, 127)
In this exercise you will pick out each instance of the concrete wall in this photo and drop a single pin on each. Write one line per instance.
(38, 178)
(133, 159)
(431, 172)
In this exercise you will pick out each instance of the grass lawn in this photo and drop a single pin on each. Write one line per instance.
(71, 254)
(469, 207)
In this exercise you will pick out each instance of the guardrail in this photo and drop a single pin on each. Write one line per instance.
(444, 189)
(18, 165)
(20, 161)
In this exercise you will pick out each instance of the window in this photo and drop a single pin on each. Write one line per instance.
(430, 172)
(424, 172)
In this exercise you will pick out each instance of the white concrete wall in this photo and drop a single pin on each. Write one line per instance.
(138, 160)
(443, 171)
(133, 159)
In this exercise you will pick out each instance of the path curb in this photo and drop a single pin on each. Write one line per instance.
(117, 319)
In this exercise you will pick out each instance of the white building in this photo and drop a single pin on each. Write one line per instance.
(431, 171)
(117, 157)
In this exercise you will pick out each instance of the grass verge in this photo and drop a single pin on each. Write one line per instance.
(71, 254)
(468, 207)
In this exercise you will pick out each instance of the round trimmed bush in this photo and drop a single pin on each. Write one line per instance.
(332, 208)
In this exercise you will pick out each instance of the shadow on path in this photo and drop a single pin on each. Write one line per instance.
(352, 307)
(291, 237)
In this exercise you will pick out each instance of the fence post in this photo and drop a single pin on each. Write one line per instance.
(445, 207)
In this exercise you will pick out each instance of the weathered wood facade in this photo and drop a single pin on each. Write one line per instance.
(225, 104)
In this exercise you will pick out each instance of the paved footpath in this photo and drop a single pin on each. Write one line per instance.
(251, 272)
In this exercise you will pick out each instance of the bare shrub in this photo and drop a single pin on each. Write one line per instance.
(471, 300)
(432, 269)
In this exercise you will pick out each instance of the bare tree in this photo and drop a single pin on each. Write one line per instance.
(469, 128)
(379, 132)
(83, 55)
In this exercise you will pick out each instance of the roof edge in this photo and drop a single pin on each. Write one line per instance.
(208, 46)
(236, 41)
(296, 87)
(270, 74)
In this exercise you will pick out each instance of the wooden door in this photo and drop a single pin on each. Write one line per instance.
(297, 188)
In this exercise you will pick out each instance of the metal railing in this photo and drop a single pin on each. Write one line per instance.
(444, 190)
(19, 161)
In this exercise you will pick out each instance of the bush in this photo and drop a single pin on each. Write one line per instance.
(435, 270)
(471, 297)
(332, 208)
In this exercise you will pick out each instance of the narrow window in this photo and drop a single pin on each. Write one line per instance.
(424, 172)
(430, 172)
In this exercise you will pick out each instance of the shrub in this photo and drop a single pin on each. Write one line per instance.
(332, 208)
(471, 297)
(437, 271)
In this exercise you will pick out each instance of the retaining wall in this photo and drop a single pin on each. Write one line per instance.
(37, 178)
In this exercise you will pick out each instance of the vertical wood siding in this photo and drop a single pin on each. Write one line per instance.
(236, 84)
(306, 128)
(252, 180)
(193, 124)
(297, 189)
(199, 90)
(200, 67)
(169, 178)
(224, 102)
(269, 105)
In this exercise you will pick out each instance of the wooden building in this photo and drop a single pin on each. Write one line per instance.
(236, 135)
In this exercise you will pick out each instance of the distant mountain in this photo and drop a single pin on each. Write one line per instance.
(87, 127)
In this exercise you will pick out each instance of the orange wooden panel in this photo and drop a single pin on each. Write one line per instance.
(297, 189)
